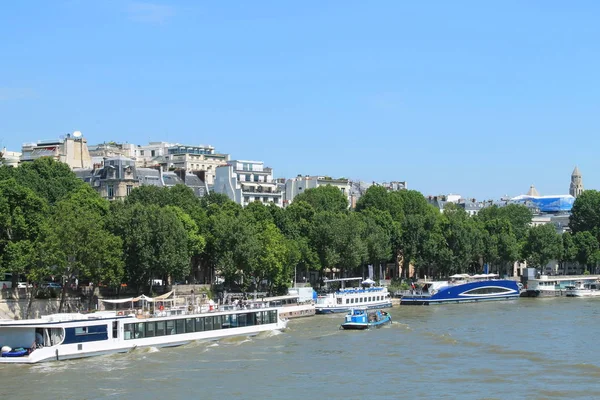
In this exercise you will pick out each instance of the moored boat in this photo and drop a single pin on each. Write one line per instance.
(345, 299)
(554, 285)
(364, 318)
(462, 288)
(290, 306)
(68, 336)
(583, 289)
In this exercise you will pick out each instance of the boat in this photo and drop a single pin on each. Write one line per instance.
(462, 288)
(345, 299)
(159, 322)
(290, 306)
(554, 285)
(364, 318)
(583, 289)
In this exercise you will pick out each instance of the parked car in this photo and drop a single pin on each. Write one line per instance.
(51, 285)
(24, 285)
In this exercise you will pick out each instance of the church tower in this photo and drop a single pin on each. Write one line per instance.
(576, 187)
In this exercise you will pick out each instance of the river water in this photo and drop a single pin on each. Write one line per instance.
(525, 348)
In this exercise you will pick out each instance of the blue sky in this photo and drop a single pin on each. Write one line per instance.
(480, 98)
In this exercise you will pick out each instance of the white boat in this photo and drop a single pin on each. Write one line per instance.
(290, 306)
(68, 336)
(343, 300)
(553, 285)
(583, 289)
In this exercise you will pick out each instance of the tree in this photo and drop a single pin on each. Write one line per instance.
(76, 243)
(22, 213)
(325, 198)
(49, 179)
(587, 250)
(542, 244)
(155, 242)
(585, 214)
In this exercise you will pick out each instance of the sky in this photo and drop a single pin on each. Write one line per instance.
(479, 98)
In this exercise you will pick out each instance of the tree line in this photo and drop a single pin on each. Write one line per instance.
(53, 224)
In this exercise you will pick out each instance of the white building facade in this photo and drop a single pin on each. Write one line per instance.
(71, 150)
(246, 181)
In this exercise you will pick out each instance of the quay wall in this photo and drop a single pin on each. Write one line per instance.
(17, 308)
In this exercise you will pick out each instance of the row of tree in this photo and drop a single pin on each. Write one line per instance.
(54, 225)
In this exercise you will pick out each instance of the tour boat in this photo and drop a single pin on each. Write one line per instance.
(554, 285)
(363, 318)
(343, 300)
(583, 289)
(68, 336)
(290, 306)
(462, 288)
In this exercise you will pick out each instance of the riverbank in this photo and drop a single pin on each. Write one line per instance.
(17, 308)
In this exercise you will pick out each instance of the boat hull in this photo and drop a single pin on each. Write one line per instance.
(368, 325)
(345, 309)
(477, 291)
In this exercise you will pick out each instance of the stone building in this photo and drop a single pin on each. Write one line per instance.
(576, 187)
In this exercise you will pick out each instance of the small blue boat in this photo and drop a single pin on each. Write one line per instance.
(363, 318)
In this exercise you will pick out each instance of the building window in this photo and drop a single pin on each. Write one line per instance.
(111, 191)
(255, 178)
(246, 199)
(247, 177)
(141, 152)
(265, 199)
(153, 152)
(129, 189)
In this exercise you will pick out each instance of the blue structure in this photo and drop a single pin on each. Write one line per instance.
(465, 289)
(547, 204)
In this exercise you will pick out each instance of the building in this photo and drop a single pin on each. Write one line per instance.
(247, 181)
(102, 151)
(71, 150)
(10, 158)
(576, 187)
(117, 176)
(196, 158)
(153, 154)
(295, 186)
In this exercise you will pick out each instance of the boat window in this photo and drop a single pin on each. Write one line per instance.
(259, 318)
(242, 320)
(82, 330)
(217, 322)
(160, 328)
(128, 331)
(180, 326)
(150, 329)
(232, 322)
(199, 324)
(115, 329)
(251, 319)
(347, 301)
(488, 290)
(56, 336)
(170, 327)
(272, 316)
(189, 325)
(139, 330)
(208, 323)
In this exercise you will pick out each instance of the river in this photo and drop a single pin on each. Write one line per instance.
(525, 348)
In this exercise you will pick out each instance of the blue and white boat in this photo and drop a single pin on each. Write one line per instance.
(462, 288)
(363, 318)
(345, 299)
(161, 323)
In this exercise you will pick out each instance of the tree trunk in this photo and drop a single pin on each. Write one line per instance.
(34, 292)
(63, 296)
(91, 299)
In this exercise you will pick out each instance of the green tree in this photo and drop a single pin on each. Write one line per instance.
(77, 245)
(587, 250)
(325, 198)
(542, 245)
(22, 213)
(585, 214)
